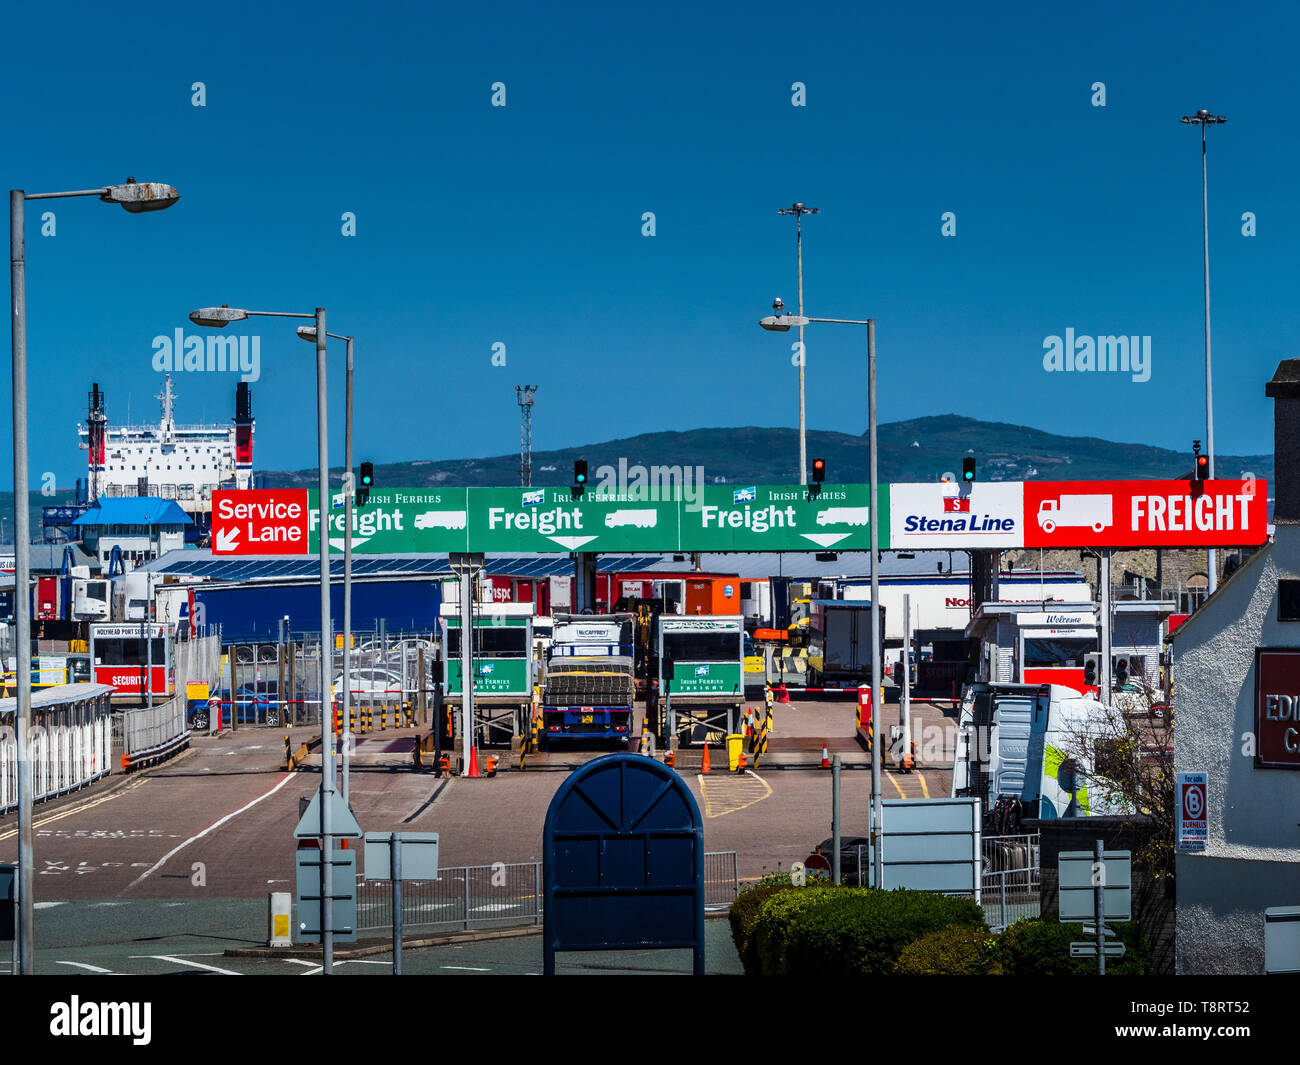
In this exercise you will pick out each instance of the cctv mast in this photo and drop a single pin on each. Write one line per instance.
(524, 397)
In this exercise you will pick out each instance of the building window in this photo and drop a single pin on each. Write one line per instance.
(1288, 600)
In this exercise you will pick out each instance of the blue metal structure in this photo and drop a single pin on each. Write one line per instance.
(623, 850)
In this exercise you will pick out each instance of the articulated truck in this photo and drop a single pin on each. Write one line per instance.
(1028, 749)
(590, 678)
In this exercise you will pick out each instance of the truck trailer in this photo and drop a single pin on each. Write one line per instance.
(590, 678)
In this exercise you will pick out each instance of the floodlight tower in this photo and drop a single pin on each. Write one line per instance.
(524, 397)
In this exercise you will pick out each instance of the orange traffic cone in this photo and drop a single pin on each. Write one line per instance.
(826, 757)
(705, 768)
(784, 694)
(740, 765)
(473, 761)
(670, 759)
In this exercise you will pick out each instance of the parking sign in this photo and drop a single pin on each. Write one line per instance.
(1192, 802)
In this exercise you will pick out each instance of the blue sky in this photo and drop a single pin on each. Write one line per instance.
(523, 224)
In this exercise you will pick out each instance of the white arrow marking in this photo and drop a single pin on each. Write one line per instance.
(357, 541)
(227, 539)
(824, 539)
(85, 965)
(575, 542)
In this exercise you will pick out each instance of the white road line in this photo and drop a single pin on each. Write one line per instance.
(215, 825)
(466, 968)
(195, 964)
(84, 965)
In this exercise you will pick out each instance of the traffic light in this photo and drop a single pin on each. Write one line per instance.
(1091, 670)
(579, 478)
(818, 476)
(364, 482)
(1121, 670)
(1200, 463)
(968, 470)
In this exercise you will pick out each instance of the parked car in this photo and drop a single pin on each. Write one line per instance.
(850, 872)
(252, 707)
(369, 682)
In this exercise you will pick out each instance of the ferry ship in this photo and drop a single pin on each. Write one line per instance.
(183, 463)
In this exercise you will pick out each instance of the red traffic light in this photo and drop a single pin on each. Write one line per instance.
(1202, 467)
(819, 469)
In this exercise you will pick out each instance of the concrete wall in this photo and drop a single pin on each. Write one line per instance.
(1252, 858)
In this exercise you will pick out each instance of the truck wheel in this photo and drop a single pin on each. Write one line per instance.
(1049, 526)
(1097, 526)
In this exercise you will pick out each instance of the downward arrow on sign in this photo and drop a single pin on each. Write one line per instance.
(825, 539)
(571, 542)
(227, 539)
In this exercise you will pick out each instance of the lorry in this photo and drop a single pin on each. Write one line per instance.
(590, 678)
(839, 642)
(1020, 750)
(501, 665)
(701, 677)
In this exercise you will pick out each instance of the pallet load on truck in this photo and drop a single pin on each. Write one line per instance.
(590, 682)
(502, 669)
(701, 678)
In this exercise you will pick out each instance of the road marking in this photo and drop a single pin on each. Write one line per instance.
(466, 968)
(84, 965)
(924, 789)
(46, 905)
(901, 793)
(195, 964)
(728, 793)
(215, 825)
(60, 815)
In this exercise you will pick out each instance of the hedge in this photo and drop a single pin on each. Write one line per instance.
(744, 914)
(848, 931)
(1041, 947)
(959, 950)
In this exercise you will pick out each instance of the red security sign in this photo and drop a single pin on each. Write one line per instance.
(1277, 708)
(1145, 513)
(260, 521)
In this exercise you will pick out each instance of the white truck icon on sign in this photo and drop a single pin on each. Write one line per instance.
(844, 516)
(1072, 512)
(642, 519)
(440, 519)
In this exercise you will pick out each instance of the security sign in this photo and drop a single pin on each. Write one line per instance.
(1192, 817)
(260, 521)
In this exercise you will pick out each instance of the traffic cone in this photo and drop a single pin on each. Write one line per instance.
(473, 761)
(705, 768)
(826, 757)
(783, 695)
(740, 765)
(670, 759)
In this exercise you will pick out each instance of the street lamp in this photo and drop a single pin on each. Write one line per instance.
(219, 318)
(799, 210)
(1203, 118)
(308, 333)
(782, 323)
(135, 197)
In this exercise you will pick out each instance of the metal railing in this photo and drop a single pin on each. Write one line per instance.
(498, 896)
(151, 732)
(1009, 895)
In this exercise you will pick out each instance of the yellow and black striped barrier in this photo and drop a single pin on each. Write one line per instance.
(762, 737)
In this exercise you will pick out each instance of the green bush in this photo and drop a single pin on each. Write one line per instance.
(959, 950)
(1041, 947)
(744, 912)
(861, 931)
(771, 936)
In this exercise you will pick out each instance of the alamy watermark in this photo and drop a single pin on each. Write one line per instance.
(179, 353)
(641, 484)
(1102, 354)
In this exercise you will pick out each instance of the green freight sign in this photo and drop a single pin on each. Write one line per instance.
(395, 521)
(506, 520)
(782, 518)
(549, 520)
(492, 676)
(706, 678)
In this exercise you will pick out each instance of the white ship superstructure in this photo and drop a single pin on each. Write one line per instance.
(167, 460)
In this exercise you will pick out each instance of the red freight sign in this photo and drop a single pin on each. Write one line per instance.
(1277, 708)
(1145, 513)
(260, 521)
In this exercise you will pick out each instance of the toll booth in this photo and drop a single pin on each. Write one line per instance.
(1035, 643)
